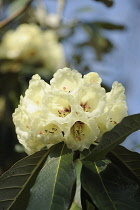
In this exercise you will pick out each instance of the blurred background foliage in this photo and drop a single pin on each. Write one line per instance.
(35, 40)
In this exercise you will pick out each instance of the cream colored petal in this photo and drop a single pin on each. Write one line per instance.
(115, 110)
(116, 103)
(66, 79)
(92, 98)
(49, 132)
(34, 94)
(23, 130)
(117, 94)
(59, 105)
(102, 122)
(92, 77)
(31, 145)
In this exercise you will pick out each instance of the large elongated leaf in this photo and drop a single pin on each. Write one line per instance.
(108, 188)
(86, 201)
(128, 161)
(17, 181)
(114, 137)
(53, 186)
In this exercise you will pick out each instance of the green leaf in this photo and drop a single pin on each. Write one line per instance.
(97, 41)
(86, 201)
(128, 161)
(109, 26)
(108, 3)
(114, 137)
(90, 206)
(17, 181)
(16, 5)
(54, 184)
(108, 188)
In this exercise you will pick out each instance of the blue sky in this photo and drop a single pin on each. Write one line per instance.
(123, 63)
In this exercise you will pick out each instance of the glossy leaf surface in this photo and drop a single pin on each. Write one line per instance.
(54, 184)
(127, 160)
(108, 187)
(15, 183)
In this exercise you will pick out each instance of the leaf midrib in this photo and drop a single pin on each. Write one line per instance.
(126, 165)
(56, 175)
(104, 187)
(122, 137)
(28, 180)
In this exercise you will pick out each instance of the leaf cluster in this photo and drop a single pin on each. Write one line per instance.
(107, 176)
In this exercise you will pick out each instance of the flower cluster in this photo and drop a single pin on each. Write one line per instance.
(29, 44)
(73, 109)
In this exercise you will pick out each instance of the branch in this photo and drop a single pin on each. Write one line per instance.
(8, 20)
(60, 9)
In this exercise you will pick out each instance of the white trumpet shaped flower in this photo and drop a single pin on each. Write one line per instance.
(92, 99)
(82, 132)
(67, 80)
(72, 109)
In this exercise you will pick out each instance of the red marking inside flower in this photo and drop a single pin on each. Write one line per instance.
(79, 138)
(40, 132)
(27, 126)
(115, 122)
(64, 88)
(88, 107)
(85, 107)
(61, 111)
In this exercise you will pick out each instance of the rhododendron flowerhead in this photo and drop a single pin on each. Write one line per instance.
(72, 109)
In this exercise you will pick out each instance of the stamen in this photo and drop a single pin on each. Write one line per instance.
(65, 112)
(85, 107)
(78, 130)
